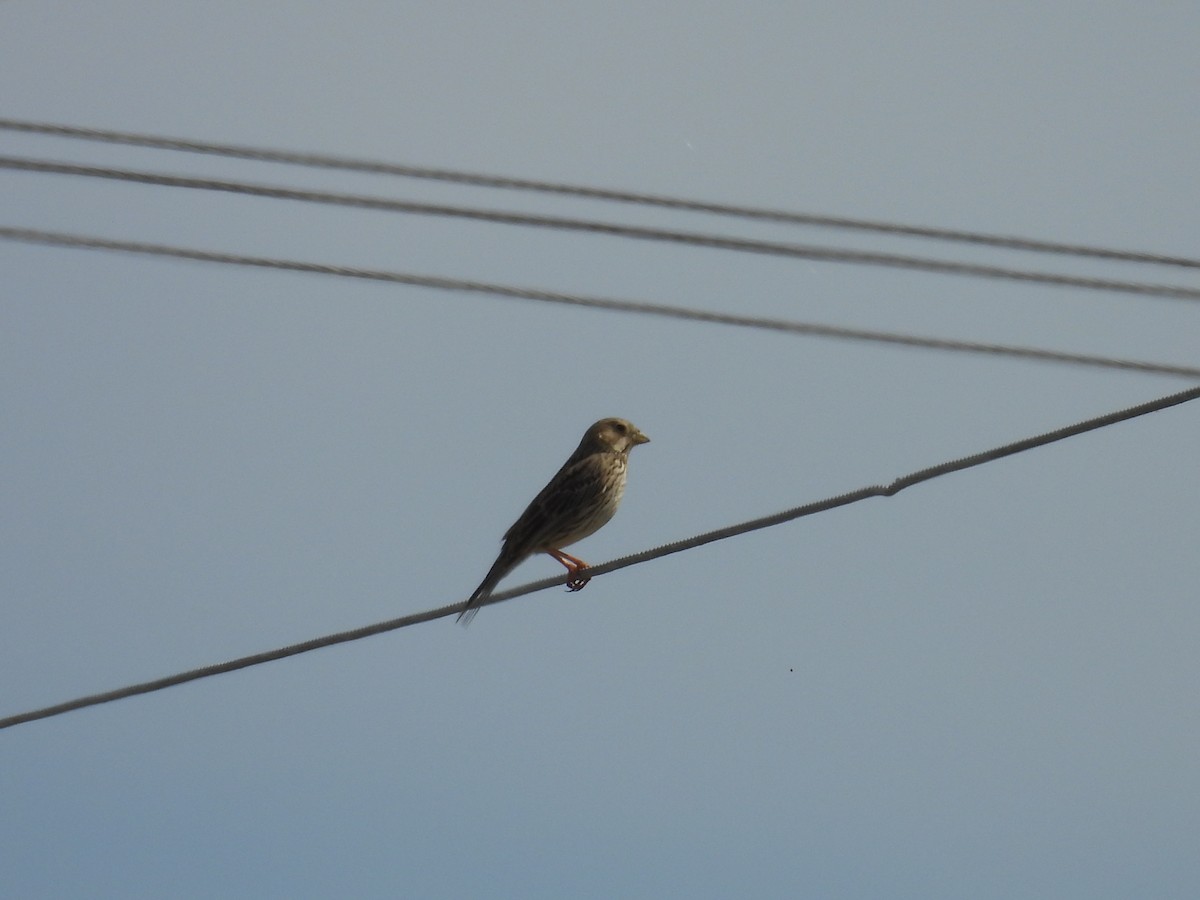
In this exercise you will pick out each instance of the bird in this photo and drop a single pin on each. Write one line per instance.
(579, 500)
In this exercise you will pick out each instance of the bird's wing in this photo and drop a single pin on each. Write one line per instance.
(557, 502)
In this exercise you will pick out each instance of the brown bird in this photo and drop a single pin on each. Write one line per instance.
(578, 501)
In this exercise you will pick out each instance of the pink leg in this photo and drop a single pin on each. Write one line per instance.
(574, 567)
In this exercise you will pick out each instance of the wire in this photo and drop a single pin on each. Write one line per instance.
(325, 161)
(779, 518)
(722, 242)
(58, 239)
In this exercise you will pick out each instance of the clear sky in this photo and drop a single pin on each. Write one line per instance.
(983, 687)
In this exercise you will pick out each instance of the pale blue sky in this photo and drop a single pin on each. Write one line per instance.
(983, 687)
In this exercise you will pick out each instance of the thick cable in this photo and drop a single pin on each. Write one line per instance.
(808, 509)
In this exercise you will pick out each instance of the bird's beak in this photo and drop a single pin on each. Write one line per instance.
(640, 438)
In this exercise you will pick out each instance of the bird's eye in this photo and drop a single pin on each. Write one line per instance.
(619, 427)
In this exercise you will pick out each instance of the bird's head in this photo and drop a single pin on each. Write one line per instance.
(612, 436)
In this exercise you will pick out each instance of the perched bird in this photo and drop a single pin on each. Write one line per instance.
(577, 502)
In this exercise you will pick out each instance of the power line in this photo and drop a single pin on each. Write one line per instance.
(58, 239)
(713, 241)
(327, 161)
(779, 518)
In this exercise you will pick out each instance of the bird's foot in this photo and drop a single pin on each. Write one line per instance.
(575, 566)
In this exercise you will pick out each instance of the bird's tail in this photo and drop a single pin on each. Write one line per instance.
(504, 564)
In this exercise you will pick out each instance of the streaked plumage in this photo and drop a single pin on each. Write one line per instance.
(577, 502)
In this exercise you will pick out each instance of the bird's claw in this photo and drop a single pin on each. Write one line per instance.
(577, 582)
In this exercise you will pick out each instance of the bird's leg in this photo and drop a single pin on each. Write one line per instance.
(574, 566)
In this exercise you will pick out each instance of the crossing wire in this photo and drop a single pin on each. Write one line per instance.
(788, 515)
(713, 241)
(329, 161)
(59, 239)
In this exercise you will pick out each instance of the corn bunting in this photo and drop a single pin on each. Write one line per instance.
(577, 502)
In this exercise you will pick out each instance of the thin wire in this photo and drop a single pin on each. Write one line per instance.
(58, 239)
(779, 518)
(316, 160)
(714, 241)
